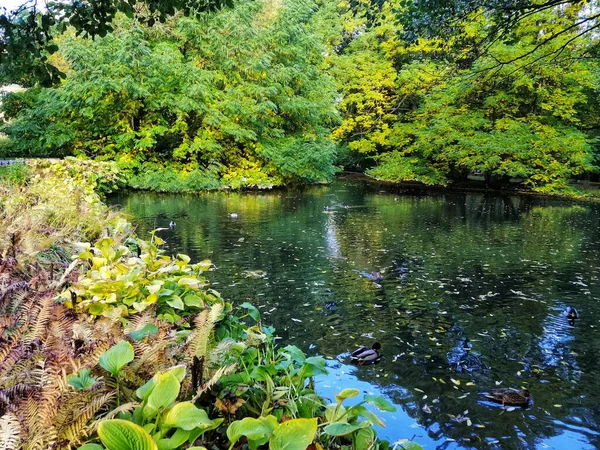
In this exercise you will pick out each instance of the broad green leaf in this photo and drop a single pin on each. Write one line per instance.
(147, 330)
(381, 403)
(346, 393)
(175, 441)
(335, 413)
(91, 447)
(176, 302)
(252, 310)
(361, 411)
(253, 429)
(82, 380)
(117, 357)
(341, 429)
(364, 439)
(295, 434)
(165, 392)
(187, 417)
(117, 434)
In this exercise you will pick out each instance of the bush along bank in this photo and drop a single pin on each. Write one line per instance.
(124, 347)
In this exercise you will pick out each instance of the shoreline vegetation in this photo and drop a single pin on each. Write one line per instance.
(108, 343)
(271, 93)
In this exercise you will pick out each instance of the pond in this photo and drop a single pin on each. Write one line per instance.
(498, 270)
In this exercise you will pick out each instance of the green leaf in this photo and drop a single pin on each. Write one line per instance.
(144, 391)
(148, 330)
(295, 434)
(381, 403)
(176, 302)
(252, 310)
(164, 393)
(91, 447)
(175, 441)
(117, 434)
(341, 429)
(117, 357)
(346, 393)
(253, 429)
(82, 380)
(187, 417)
(361, 411)
(364, 439)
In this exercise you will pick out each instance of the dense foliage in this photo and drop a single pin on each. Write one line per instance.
(257, 94)
(123, 347)
(213, 97)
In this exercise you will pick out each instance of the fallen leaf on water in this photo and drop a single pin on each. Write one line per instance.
(510, 409)
(557, 406)
(296, 320)
(470, 383)
(419, 390)
(498, 383)
(456, 382)
(424, 397)
(469, 423)
(426, 409)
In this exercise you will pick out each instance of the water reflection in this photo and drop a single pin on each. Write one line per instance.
(498, 270)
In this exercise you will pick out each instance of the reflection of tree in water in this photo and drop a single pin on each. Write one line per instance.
(468, 265)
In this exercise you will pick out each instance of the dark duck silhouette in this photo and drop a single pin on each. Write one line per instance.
(510, 396)
(571, 314)
(366, 355)
(470, 361)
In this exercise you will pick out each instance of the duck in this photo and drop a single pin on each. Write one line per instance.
(172, 224)
(234, 215)
(510, 396)
(571, 313)
(365, 355)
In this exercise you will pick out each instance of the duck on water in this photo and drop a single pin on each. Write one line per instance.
(365, 355)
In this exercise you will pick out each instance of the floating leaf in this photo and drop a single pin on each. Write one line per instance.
(456, 382)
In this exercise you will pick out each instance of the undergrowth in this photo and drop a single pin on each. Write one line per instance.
(108, 343)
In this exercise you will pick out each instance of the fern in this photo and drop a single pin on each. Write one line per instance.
(10, 430)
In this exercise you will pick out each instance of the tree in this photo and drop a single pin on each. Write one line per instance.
(26, 34)
(216, 93)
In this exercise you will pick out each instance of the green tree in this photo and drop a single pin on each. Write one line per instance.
(217, 93)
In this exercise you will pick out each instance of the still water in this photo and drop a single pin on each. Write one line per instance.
(499, 270)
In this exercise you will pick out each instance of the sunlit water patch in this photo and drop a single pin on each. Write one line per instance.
(499, 270)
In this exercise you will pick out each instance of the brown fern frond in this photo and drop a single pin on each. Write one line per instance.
(197, 341)
(213, 380)
(10, 432)
(42, 317)
(78, 429)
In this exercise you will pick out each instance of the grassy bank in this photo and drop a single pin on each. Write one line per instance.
(109, 343)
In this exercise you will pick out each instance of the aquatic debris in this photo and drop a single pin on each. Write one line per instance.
(254, 273)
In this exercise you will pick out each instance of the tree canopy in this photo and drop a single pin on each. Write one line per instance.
(269, 92)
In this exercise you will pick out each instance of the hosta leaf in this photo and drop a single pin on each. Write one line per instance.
(117, 357)
(147, 330)
(164, 393)
(187, 417)
(117, 434)
(295, 434)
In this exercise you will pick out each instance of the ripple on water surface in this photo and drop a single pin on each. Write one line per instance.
(499, 270)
